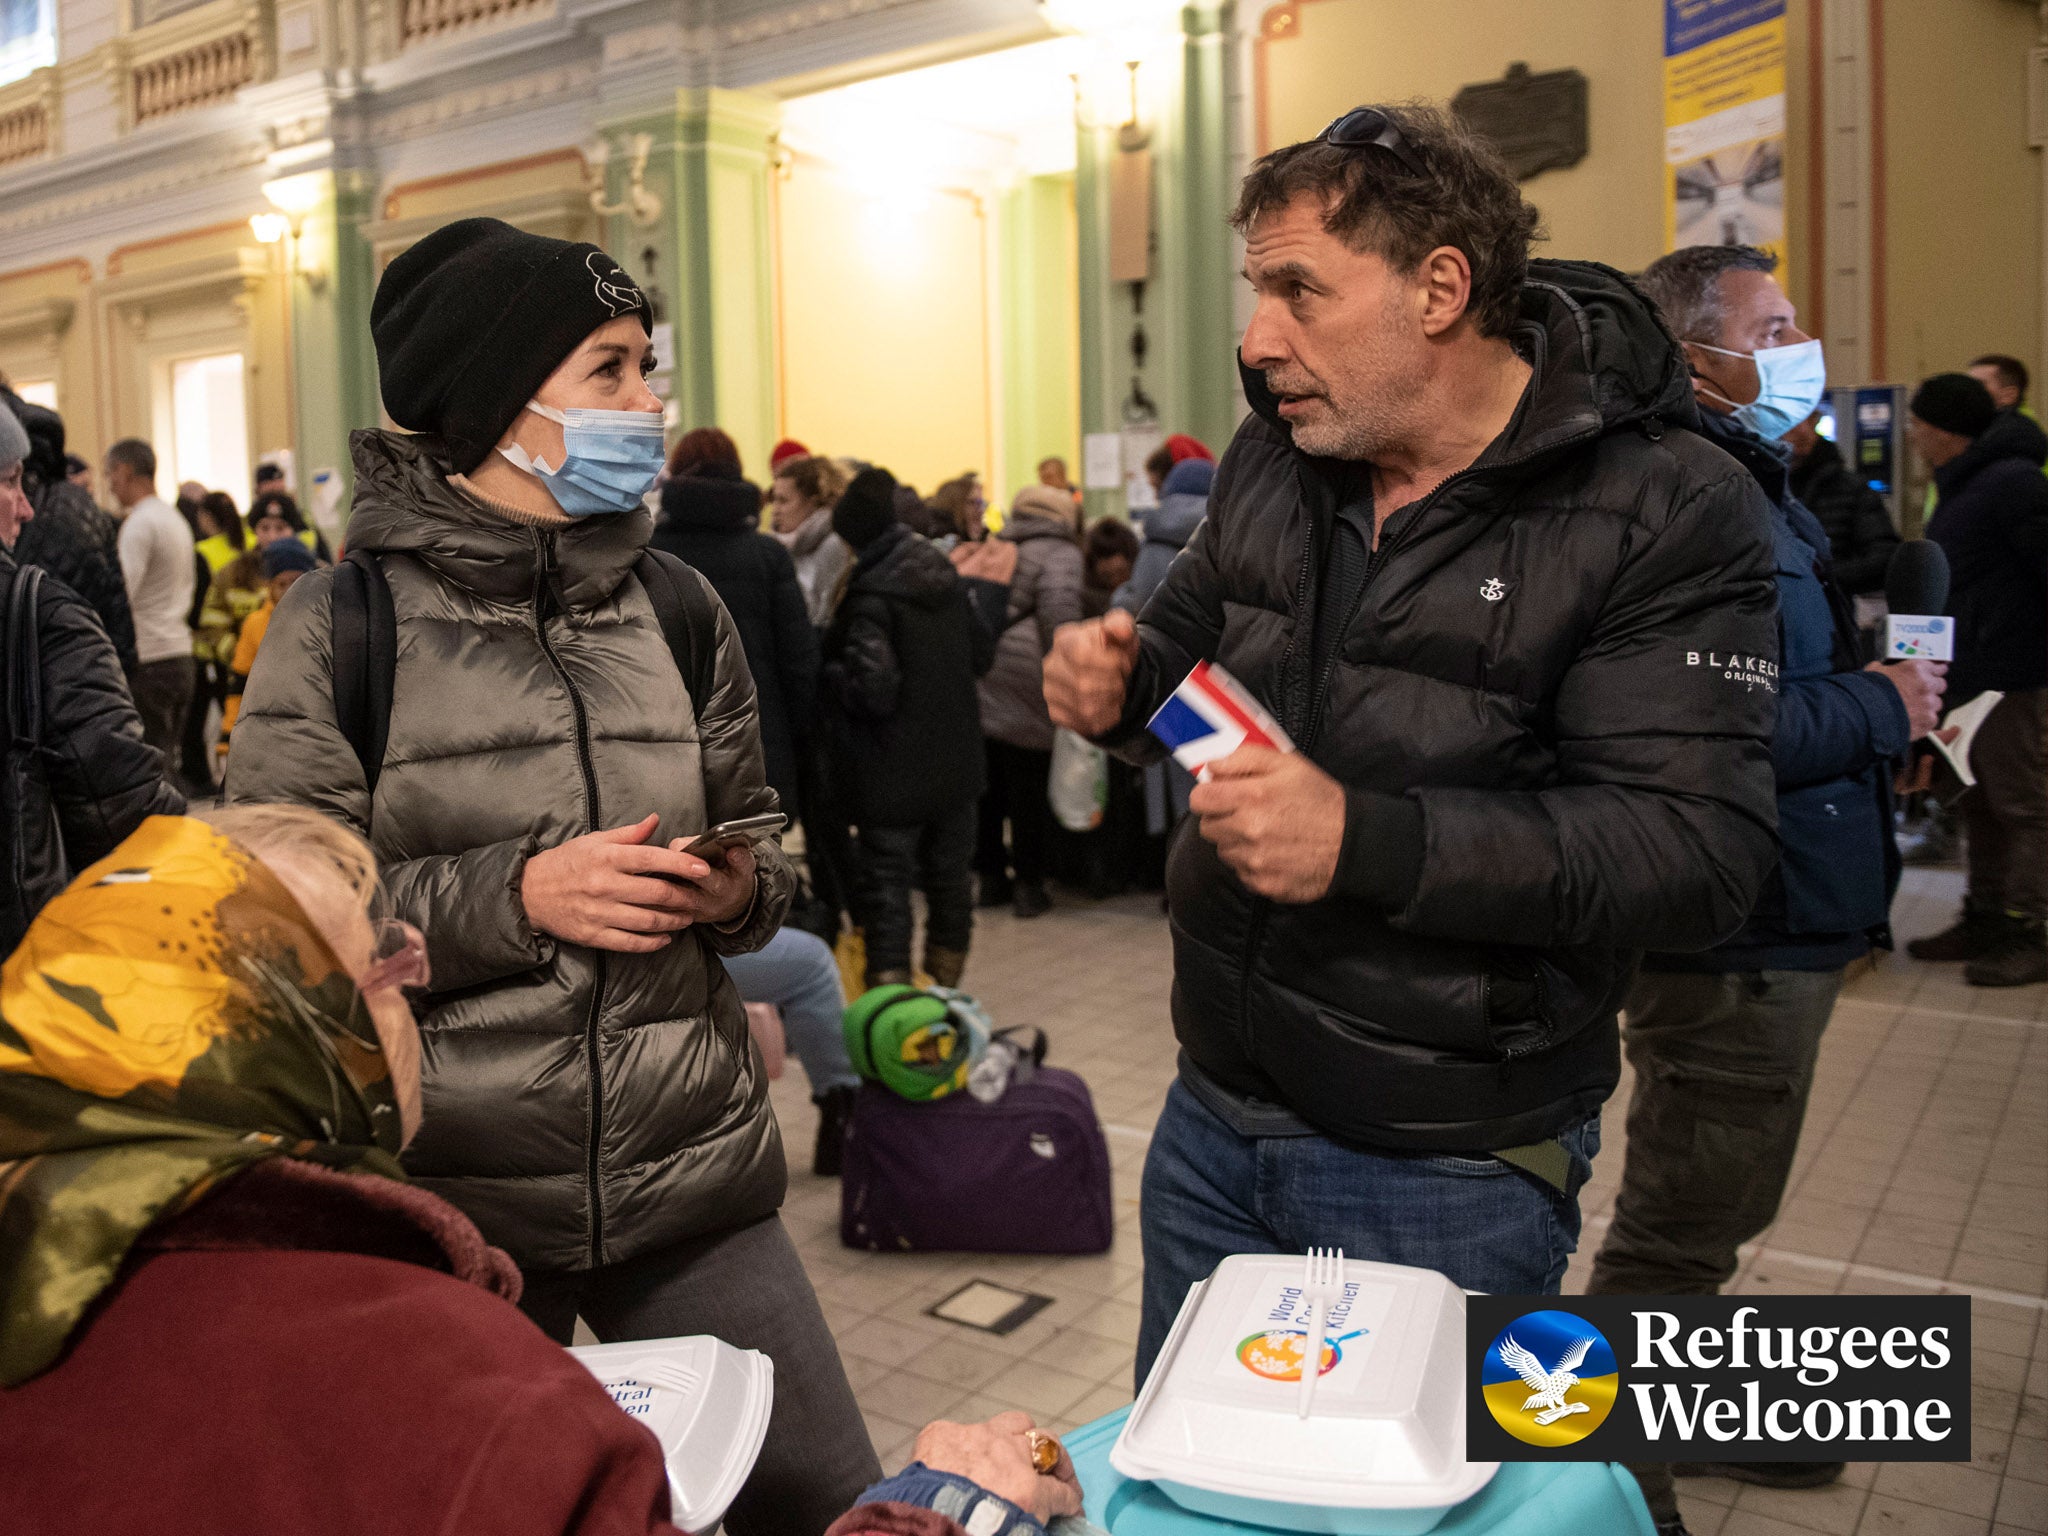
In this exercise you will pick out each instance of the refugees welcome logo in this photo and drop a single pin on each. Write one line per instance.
(1549, 1378)
(1718, 1378)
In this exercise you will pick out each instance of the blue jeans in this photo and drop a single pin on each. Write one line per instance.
(796, 972)
(1210, 1192)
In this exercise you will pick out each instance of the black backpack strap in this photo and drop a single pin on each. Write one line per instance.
(24, 658)
(683, 605)
(365, 629)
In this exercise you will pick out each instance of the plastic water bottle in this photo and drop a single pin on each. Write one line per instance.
(1001, 1065)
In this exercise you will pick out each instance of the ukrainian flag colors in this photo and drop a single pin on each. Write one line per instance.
(1549, 1345)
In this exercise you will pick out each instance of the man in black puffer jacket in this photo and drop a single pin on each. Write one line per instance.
(1517, 616)
(901, 661)
(72, 537)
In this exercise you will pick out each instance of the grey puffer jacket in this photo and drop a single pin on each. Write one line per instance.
(581, 1106)
(1045, 593)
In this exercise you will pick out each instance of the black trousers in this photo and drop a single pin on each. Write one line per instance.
(1017, 779)
(828, 838)
(749, 1289)
(2007, 813)
(935, 857)
(163, 693)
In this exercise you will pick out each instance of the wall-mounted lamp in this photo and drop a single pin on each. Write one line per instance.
(292, 198)
(1124, 35)
(639, 204)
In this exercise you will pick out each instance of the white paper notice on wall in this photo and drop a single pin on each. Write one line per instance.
(1102, 461)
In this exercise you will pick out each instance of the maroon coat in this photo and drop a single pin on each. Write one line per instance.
(319, 1352)
(315, 1352)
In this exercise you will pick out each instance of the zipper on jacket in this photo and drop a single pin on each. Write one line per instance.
(1397, 528)
(543, 584)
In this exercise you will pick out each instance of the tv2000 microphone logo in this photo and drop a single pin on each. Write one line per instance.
(1718, 1378)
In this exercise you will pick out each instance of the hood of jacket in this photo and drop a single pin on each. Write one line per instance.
(2011, 435)
(1602, 361)
(404, 503)
(1179, 513)
(1024, 525)
(714, 502)
(45, 429)
(901, 564)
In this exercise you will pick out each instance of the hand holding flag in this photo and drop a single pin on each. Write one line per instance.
(1276, 818)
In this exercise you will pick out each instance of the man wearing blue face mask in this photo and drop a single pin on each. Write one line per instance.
(1723, 1043)
(551, 744)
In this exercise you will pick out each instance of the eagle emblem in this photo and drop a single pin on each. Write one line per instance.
(1549, 1388)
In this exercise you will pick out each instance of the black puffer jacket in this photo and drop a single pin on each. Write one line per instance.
(1993, 525)
(713, 523)
(1563, 661)
(1861, 537)
(71, 537)
(94, 779)
(901, 660)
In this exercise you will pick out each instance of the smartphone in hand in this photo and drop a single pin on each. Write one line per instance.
(712, 843)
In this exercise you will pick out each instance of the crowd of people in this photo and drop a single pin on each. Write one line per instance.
(358, 918)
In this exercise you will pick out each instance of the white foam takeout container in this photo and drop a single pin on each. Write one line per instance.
(1383, 1451)
(707, 1403)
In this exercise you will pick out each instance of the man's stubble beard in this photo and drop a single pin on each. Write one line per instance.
(1371, 411)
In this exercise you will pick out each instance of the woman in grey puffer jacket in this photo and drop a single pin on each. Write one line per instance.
(592, 1098)
(1045, 592)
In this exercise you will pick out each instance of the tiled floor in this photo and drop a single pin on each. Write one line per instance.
(1924, 1167)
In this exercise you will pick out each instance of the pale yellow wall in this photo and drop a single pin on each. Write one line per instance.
(1962, 189)
(1338, 54)
(884, 326)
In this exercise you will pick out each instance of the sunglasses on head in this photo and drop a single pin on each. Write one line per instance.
(1369, 127)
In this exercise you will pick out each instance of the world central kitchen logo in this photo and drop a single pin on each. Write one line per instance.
(1550, 1378)
(1719, 1378)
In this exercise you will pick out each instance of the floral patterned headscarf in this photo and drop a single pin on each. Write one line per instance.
(169, 1019)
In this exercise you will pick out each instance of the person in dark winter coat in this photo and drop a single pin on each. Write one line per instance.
(1992, 522)
(1166, 529)
(91, 779)
(901, 660)
(1739, 1026)
(711, 519)
(72, 537)
(1861, 537)
(1471, 551)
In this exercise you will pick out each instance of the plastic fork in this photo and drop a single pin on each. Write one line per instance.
(1321, 1277)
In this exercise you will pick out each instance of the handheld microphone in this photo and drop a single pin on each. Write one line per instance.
(1915, 593)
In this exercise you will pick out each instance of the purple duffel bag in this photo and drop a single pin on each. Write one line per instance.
(1026, 1174)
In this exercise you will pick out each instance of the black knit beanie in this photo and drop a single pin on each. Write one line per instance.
(866, 509)
(1956, 403)
(471, 321)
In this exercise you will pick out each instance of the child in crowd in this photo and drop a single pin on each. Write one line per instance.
(285, 560)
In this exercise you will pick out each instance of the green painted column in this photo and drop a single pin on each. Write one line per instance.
(1041, 405)
(334, 365)
(1189, 371)
(1194, 214)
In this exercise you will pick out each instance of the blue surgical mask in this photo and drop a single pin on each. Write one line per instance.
(1790, 383)
(609, 458)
